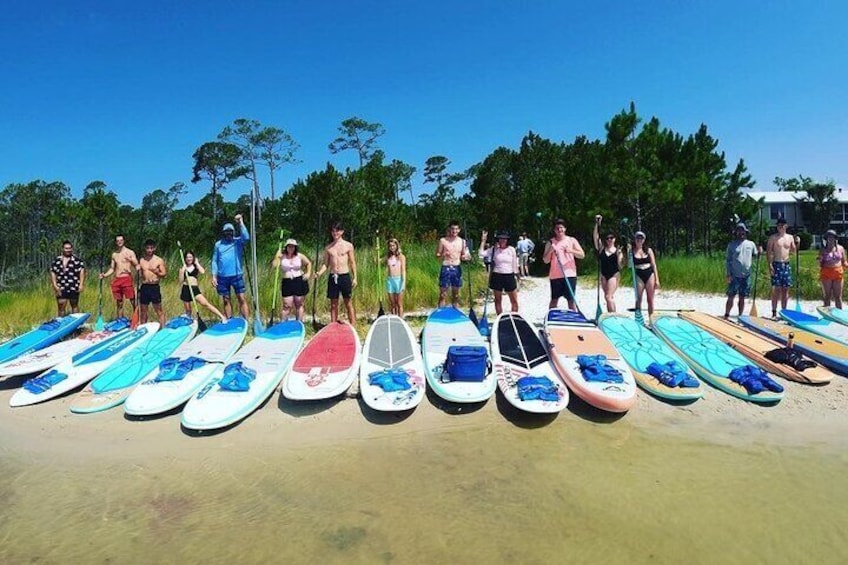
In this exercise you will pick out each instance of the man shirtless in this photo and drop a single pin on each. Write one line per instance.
(451, 250)
(339, 258)
(779, 250)
(152, 269)
(123, 262)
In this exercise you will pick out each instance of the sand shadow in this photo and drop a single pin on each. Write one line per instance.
(520, 418)
(454, 408)
(381, 418)
(583, 409)
(306, 408)
(191, 432)
(153, 417)
(18, 381)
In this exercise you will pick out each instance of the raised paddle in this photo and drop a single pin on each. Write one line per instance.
(201, 325)
(468, 245)
(483, 324)
(316, 325)
(598, 311)
(276, 278)
(380, 311)
(99, 325)
(754, 312)
(637, 310)
(567, 284)
(137, 310)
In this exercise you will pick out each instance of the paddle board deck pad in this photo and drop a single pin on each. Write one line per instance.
(830, 353)
(43, 359)
(445, 327)
(114, 384)
(640, 348)
(569, 334)
(327, 366)
(83, 366)
(711, 358)
(754, 346)
(823, 327)
(391, 358)
(247, 380)
(518, 352)
(187, 369)
(46, 334)
(830, 312)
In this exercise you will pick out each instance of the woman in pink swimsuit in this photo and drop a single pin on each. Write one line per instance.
(832, 264)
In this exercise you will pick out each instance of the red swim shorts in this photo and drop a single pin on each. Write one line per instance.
(122, 287)
(831, 273)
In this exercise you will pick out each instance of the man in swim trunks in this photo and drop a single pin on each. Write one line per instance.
(779, 250)
(340, 260)
(124, 261)
(737, 267)
(560, 252)
(67, 274)
(152, 269)
(451, 250)
(226, 267)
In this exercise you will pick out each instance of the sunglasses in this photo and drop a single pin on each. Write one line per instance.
(610, 237)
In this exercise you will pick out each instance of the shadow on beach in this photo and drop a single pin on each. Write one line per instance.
(10, 383)
(581, 408)
(153, 417)
(453, 408)
(306, 408)
(520, 418)
(382, 418)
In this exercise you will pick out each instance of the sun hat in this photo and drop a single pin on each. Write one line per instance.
(742, 226)
(829, 233)
(228, 227)
(503, 234)
(639, 234)
(291, 241)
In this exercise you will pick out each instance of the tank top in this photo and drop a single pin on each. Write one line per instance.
(292, 267)
(503, 260)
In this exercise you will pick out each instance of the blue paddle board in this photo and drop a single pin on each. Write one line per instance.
(42, 336)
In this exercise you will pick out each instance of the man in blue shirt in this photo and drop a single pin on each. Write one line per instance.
(227, 271)
(525, 247)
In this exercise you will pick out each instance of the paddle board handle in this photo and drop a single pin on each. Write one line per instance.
(790, 341)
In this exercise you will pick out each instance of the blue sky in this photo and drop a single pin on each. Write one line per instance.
(125, 93)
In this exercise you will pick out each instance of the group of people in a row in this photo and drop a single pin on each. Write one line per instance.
(505, 264)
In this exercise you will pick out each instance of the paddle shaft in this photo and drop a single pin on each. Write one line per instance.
(277, 278)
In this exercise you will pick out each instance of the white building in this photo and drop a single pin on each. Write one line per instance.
(788, 205)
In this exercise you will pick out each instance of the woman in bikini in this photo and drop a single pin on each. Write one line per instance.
(611, 260)
(832, 264)
(295, 270)
(396, 280)
(648, 278)
(189, 285)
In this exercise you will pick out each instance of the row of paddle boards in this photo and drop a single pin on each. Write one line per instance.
(154, 370)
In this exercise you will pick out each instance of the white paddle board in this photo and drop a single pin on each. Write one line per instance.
(391, 356)
(327, 365)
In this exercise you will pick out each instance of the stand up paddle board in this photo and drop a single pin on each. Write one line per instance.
(569, 336)
(391, 377)
(711, 359)
(445, 327)
(640, 348)
(43, 359)
(42, 336)
(522, 367)
(247, 380)
(113, 386)
(830, 312)
(327, 365)
(83, 366)
(823, 327)
(187, 369)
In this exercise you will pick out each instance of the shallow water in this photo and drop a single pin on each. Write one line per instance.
(571, 491)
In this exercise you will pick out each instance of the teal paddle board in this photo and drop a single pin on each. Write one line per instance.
(42, 336)
(823, 327)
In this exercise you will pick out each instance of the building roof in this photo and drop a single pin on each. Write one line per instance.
(786, 197)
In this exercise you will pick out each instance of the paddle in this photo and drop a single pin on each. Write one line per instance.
(380, 311)
(201, 325)
(276, 278)
(754, 312)
(483, 324)
(99, 325)
(567, 284)
(598, 311)
(316, 325)
(637, 309)
(258, 327)
(796, 240)
(468, 246)
(137, 310)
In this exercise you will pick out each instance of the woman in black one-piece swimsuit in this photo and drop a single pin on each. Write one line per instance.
(611, 259)
(648, 279)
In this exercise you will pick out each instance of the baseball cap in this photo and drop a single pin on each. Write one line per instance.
(228, 227)
(781, 220)
(639, 234)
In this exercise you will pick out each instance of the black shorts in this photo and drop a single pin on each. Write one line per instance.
(339, 284)
(71, 295)
(185, 293)
(559, 290)
(502, 282)
(150, 293)
(297, 286)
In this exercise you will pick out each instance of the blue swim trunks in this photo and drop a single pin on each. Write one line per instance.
(450, 276)
(394, 285)
(740, 286)
(224, 284)
(782, 276)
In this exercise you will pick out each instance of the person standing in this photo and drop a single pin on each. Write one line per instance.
(153, 270)
(340, 260)
(295, 269)
(452, 250)
(832, 265)
(779, 250)
(227, 268)
(560, 252)
(737, 267)
(524, 247)
(124, 261)
(396, 279)
(67, 274)
(647, 274)
(188, 277)
(610, 260)
(503, 278)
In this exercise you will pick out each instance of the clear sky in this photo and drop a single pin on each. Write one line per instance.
(125, 92)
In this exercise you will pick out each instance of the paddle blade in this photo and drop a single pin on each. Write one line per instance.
(98, 325)
(134, 319)
(754, 312)
(473, 317)
(638, 316)
(201, 325)
(598, 313)
(483, 327)
(258, 328)
(316, 325)
(381, 312)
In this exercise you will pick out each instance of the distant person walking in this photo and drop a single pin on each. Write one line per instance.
(452, 250)
(189, 274)
(503, 278)
(124, 261)
(153, 270)
(610, 260)
(647, 275)
(832, 265)
(737, 268)
(396, 279)
(779, 250)
(67, 274)
(524, 248)
(295, 270)
(560, 252)
(227, 269)
(340, 260)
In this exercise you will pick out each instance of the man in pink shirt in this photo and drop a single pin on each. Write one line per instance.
(560, 252)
